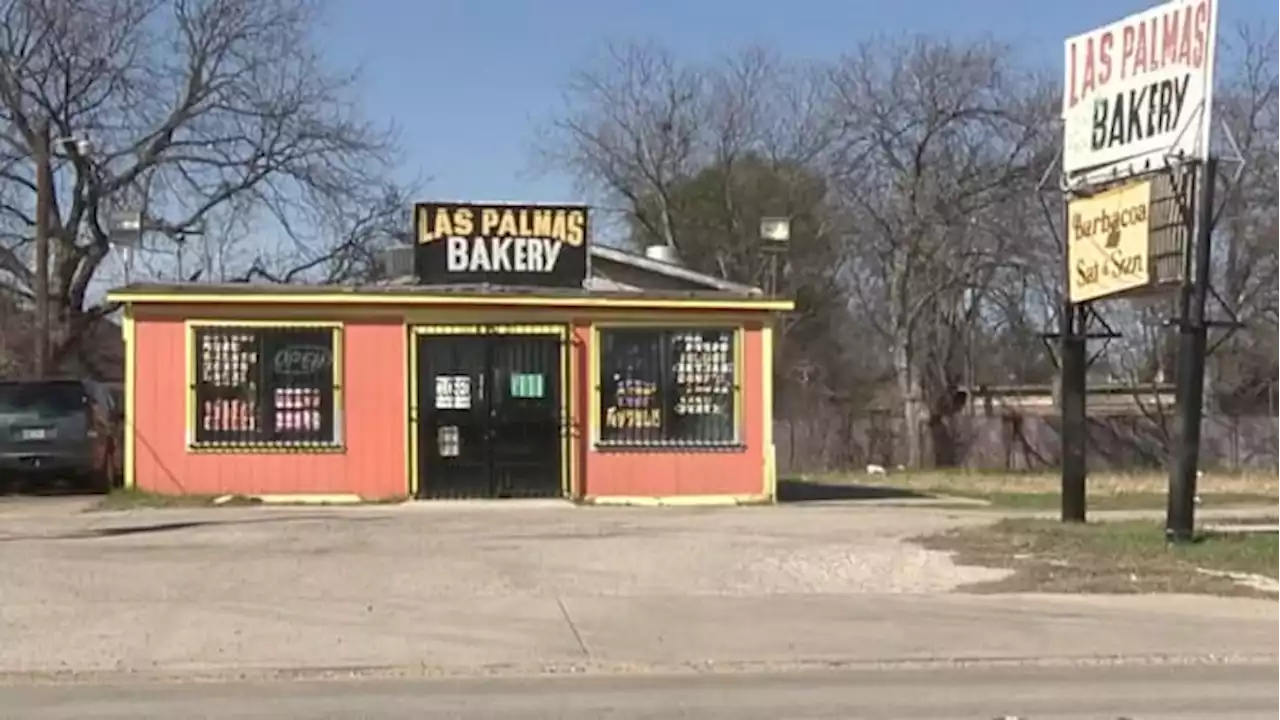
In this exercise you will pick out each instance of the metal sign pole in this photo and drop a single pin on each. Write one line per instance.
(1072, 392)
(1192, 346)
(1075, 431)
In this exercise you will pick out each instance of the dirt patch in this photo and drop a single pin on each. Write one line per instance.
(1110, 557)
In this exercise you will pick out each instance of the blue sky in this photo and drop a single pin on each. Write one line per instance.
(499, 64)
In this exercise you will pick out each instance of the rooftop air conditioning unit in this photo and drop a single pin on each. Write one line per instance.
(397, 262)
(663, 254)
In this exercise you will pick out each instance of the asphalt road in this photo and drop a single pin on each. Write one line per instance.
(1096, 693)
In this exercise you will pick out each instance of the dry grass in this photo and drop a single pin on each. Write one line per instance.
(1099, 483)
(1109, 557)
(125, 499)
(1118, 490)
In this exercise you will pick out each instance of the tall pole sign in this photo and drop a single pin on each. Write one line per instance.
(1137, 110)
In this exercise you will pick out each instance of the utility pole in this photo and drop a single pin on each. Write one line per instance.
(44, 201)
(1193, 329)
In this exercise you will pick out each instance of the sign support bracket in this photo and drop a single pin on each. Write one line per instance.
(1100, 151)
(1091, 316)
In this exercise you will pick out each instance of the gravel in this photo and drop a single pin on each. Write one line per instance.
(351, 552)
(177, 590)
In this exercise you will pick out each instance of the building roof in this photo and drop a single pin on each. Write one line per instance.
(232, 290)
(679, 272)
(440, 295)
(618, 278)
(610, 269)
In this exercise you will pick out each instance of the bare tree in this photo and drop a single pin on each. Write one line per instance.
(631, 129)
(692, 155)
(926, 259)
(940, 139)
(354, 257)
(1243, 371)
(201, 113)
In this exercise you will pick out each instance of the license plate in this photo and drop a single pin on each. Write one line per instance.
(35, 434)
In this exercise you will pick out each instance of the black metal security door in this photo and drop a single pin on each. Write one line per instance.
(490, 416)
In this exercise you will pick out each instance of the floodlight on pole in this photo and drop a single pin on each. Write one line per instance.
(775, 229)
(125, 235)
(126, 228)
(775, 234)
(76, 146)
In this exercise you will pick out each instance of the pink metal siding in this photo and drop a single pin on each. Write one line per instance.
(372, 464)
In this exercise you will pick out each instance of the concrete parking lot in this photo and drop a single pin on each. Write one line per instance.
(519, 587)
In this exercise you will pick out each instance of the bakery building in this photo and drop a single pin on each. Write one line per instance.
(512, 359)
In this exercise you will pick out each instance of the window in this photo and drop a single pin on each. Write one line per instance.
(663, 388)
(266, 386)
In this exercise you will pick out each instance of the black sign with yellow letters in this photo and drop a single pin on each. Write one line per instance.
(542, 245)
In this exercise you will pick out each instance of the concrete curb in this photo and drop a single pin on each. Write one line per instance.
(512, 670)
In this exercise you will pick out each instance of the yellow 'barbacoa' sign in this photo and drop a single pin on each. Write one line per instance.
(1108, 242)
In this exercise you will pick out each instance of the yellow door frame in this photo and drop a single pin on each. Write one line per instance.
(568, 392)
(128, 331)
(766, 410)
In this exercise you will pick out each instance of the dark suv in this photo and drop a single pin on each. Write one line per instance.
(60, 429)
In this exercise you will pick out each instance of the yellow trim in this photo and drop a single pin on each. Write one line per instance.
(677, 500)
(447, 315)
(566, 382)
(739, 380)
(310, 499)
(411, 422)
(519, 317)
(566, 443)
(706, 323)
(411, 369)
(592, 381)
(338, 349)
(420, 299)
(265, 449)
(339, 388)
(766, 411)
(573, 423)
(556, 330)
(128, 331)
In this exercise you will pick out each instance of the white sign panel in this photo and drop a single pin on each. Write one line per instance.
(1140, 89)
(453, 392)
